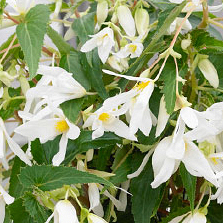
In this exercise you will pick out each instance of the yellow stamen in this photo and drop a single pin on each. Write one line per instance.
(104, 36)
(214, 159)
(132, 48)
(62, 126)
(104, 117)
(142, 85)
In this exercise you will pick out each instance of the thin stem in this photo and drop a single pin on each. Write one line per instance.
(177, 76)
(16, 45)
(209, 89)
(7, 50)
(61, 21)
(215, 23)
(9, 17)
(204, 21)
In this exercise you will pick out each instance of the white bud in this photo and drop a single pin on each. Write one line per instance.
(209, 72)
(142, 21)
(102, 12)
(185, 43)
(126, 20)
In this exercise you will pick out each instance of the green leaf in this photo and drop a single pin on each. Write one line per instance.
(71, 63)
(16, 189)
(31, 34)
(189, 183)
(103, 157)
(50, 177)
(58, 40)
(204, 43)
(94, 73)
(215, 214)
(33, 207)
(169, 89)
(2, 6)
(7, 216)
(72, 108)
(144, 198)
(19, 213)
(83, 27)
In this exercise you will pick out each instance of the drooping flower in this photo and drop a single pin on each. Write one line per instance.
(103, 40)
(92, 218)
(126, 20)
(64, 212)
(141, 21)
(48, 129)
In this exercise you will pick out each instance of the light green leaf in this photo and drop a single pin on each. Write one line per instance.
(189, 183)
(58, 40)
(49, 178)
(31, 34)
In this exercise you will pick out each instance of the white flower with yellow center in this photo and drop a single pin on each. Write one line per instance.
(48, 129)
(64, 212)
(133, 49)
(104, 41)
(198, 6)
(107, 120)
(15, 148)
(136, 102)
(5, 198)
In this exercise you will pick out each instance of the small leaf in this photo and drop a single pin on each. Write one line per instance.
(33, 207)
(31, 34)
(189, 183)
(58, 40)
(72, 108)
(49, 178)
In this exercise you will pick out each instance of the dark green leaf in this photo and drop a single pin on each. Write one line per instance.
(33, 207)
(144, 198)
(58, 40)
(31, 34)
(103, 157)
(49, 178)
(71, 63)
(19, 213)
(72, 108)
(189, 183)
(215, 213)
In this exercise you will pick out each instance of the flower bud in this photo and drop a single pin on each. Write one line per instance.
(209, 72)
(102, 11)
(24, 84)
(185, 43)
(6, 78)
(142, 21)
(126, 20)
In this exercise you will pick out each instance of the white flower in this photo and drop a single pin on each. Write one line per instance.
(92, 218)
(176, 23)
(102, 11)
(107, 120)
(197, 217)
(104, 40)
(198, 5)
(133, 49)
(136, 102)
(119, 64)
(126, 20)
(48, 129)
(94, 198)
(64, 212)
(4, 137)
(5, 198)
(142, 21)
(173, 149)
(209, 72)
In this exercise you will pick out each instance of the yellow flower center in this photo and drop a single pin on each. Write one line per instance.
(62, 126)
(142, 85)
(104, 36)
(132, 48)
(214, 160)
(104, 117)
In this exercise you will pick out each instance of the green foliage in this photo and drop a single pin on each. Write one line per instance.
(2, 6)
(189, 183)
(31, 33)
(144, 197)
(49, 178)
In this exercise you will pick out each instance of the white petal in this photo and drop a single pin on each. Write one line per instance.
(215, 8)
(103, 52)
(73, 131)
(209, 72)
(89, 45)
(2, 211)
(94, 195)
(1, 92)
(98, 132)
(2, 144)
(95, 219)
(189, 117)
(50, 71)
(7, 198)
(195, 160)
(178, 219)
(123, 195)
(60, 156)
(162, 117)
